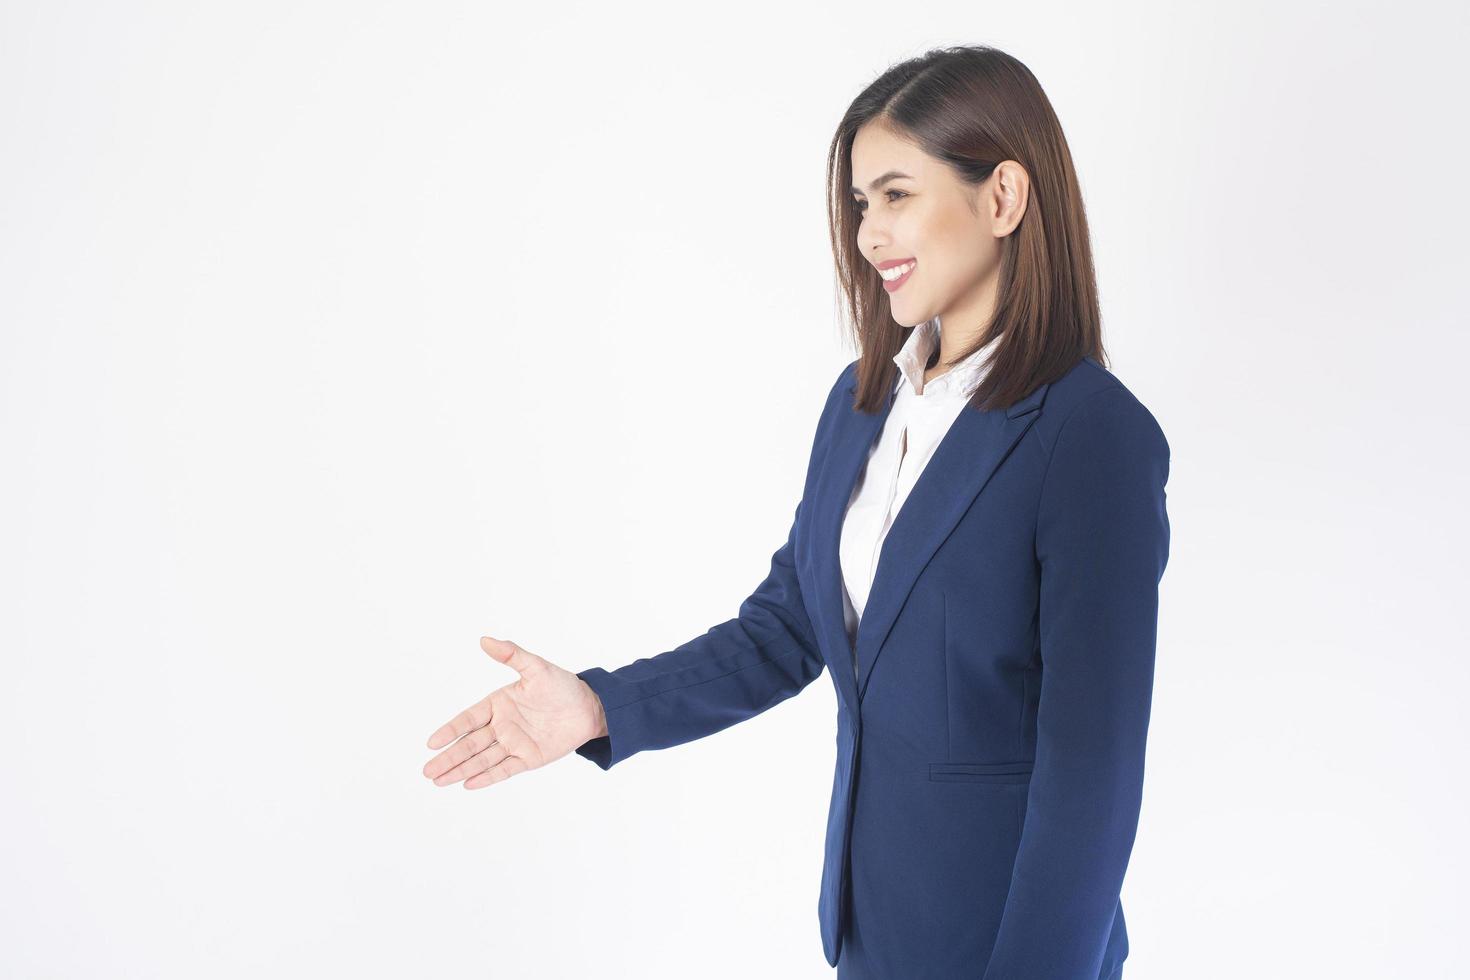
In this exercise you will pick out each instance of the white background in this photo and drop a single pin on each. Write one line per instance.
(336, 335)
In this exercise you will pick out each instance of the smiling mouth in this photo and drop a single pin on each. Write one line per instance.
(897, 276)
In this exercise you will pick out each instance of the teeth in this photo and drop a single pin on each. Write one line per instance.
(897, 271)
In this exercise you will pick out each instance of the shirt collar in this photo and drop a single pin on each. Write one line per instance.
(914, 357)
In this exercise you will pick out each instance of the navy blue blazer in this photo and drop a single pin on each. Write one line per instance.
(990, 742)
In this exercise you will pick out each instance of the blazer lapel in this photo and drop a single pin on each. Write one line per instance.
(852, 439)
(962, 464)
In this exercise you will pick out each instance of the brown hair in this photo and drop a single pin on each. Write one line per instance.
(972, 107)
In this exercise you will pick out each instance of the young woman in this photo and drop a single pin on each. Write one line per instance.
(975, 559)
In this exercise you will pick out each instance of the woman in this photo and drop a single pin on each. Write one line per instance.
(975, 557)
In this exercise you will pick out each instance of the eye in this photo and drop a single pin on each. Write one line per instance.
(862, 205)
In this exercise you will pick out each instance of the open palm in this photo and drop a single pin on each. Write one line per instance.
(535, 720)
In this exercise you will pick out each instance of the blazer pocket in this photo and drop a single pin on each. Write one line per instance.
(980, 772)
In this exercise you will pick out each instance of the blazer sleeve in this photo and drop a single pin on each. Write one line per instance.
(1102, 541)
(734, 671)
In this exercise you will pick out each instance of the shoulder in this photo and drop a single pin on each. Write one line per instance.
(839, 397)
(1091, 407)
(842, 389)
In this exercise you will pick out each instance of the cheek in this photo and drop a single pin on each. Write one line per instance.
(961, 245)
(951, 227)
(937, 240)
(937, 235)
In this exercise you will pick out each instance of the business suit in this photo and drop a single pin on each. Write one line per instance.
(993, 712)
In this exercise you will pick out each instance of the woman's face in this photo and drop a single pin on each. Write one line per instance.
(947, 229)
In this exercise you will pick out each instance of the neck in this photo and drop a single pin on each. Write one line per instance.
(978, 308)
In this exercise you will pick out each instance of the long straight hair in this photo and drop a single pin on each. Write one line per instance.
(973, 107)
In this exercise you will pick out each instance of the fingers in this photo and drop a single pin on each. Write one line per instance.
(473, 766)
(459, 753)
(478, 757)
(482, 768)
(475, 716)
(508, 767)
(512, 654)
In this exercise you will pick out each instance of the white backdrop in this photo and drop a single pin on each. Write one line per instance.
(336, 335)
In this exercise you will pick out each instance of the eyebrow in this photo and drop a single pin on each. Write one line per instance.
(891, 175)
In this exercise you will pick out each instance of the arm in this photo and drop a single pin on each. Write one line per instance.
(1102, 539)
(736, 670)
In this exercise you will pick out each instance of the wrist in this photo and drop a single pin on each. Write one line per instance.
(599, 715)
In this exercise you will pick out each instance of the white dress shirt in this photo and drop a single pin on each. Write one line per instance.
(921, 415)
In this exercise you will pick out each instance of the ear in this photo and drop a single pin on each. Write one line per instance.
(1003, 197)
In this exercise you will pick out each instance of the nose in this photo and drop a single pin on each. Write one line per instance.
(872, 239)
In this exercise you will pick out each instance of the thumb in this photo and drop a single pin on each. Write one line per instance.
(512, 654)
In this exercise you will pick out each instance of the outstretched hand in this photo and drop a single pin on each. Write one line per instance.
(537, 719)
